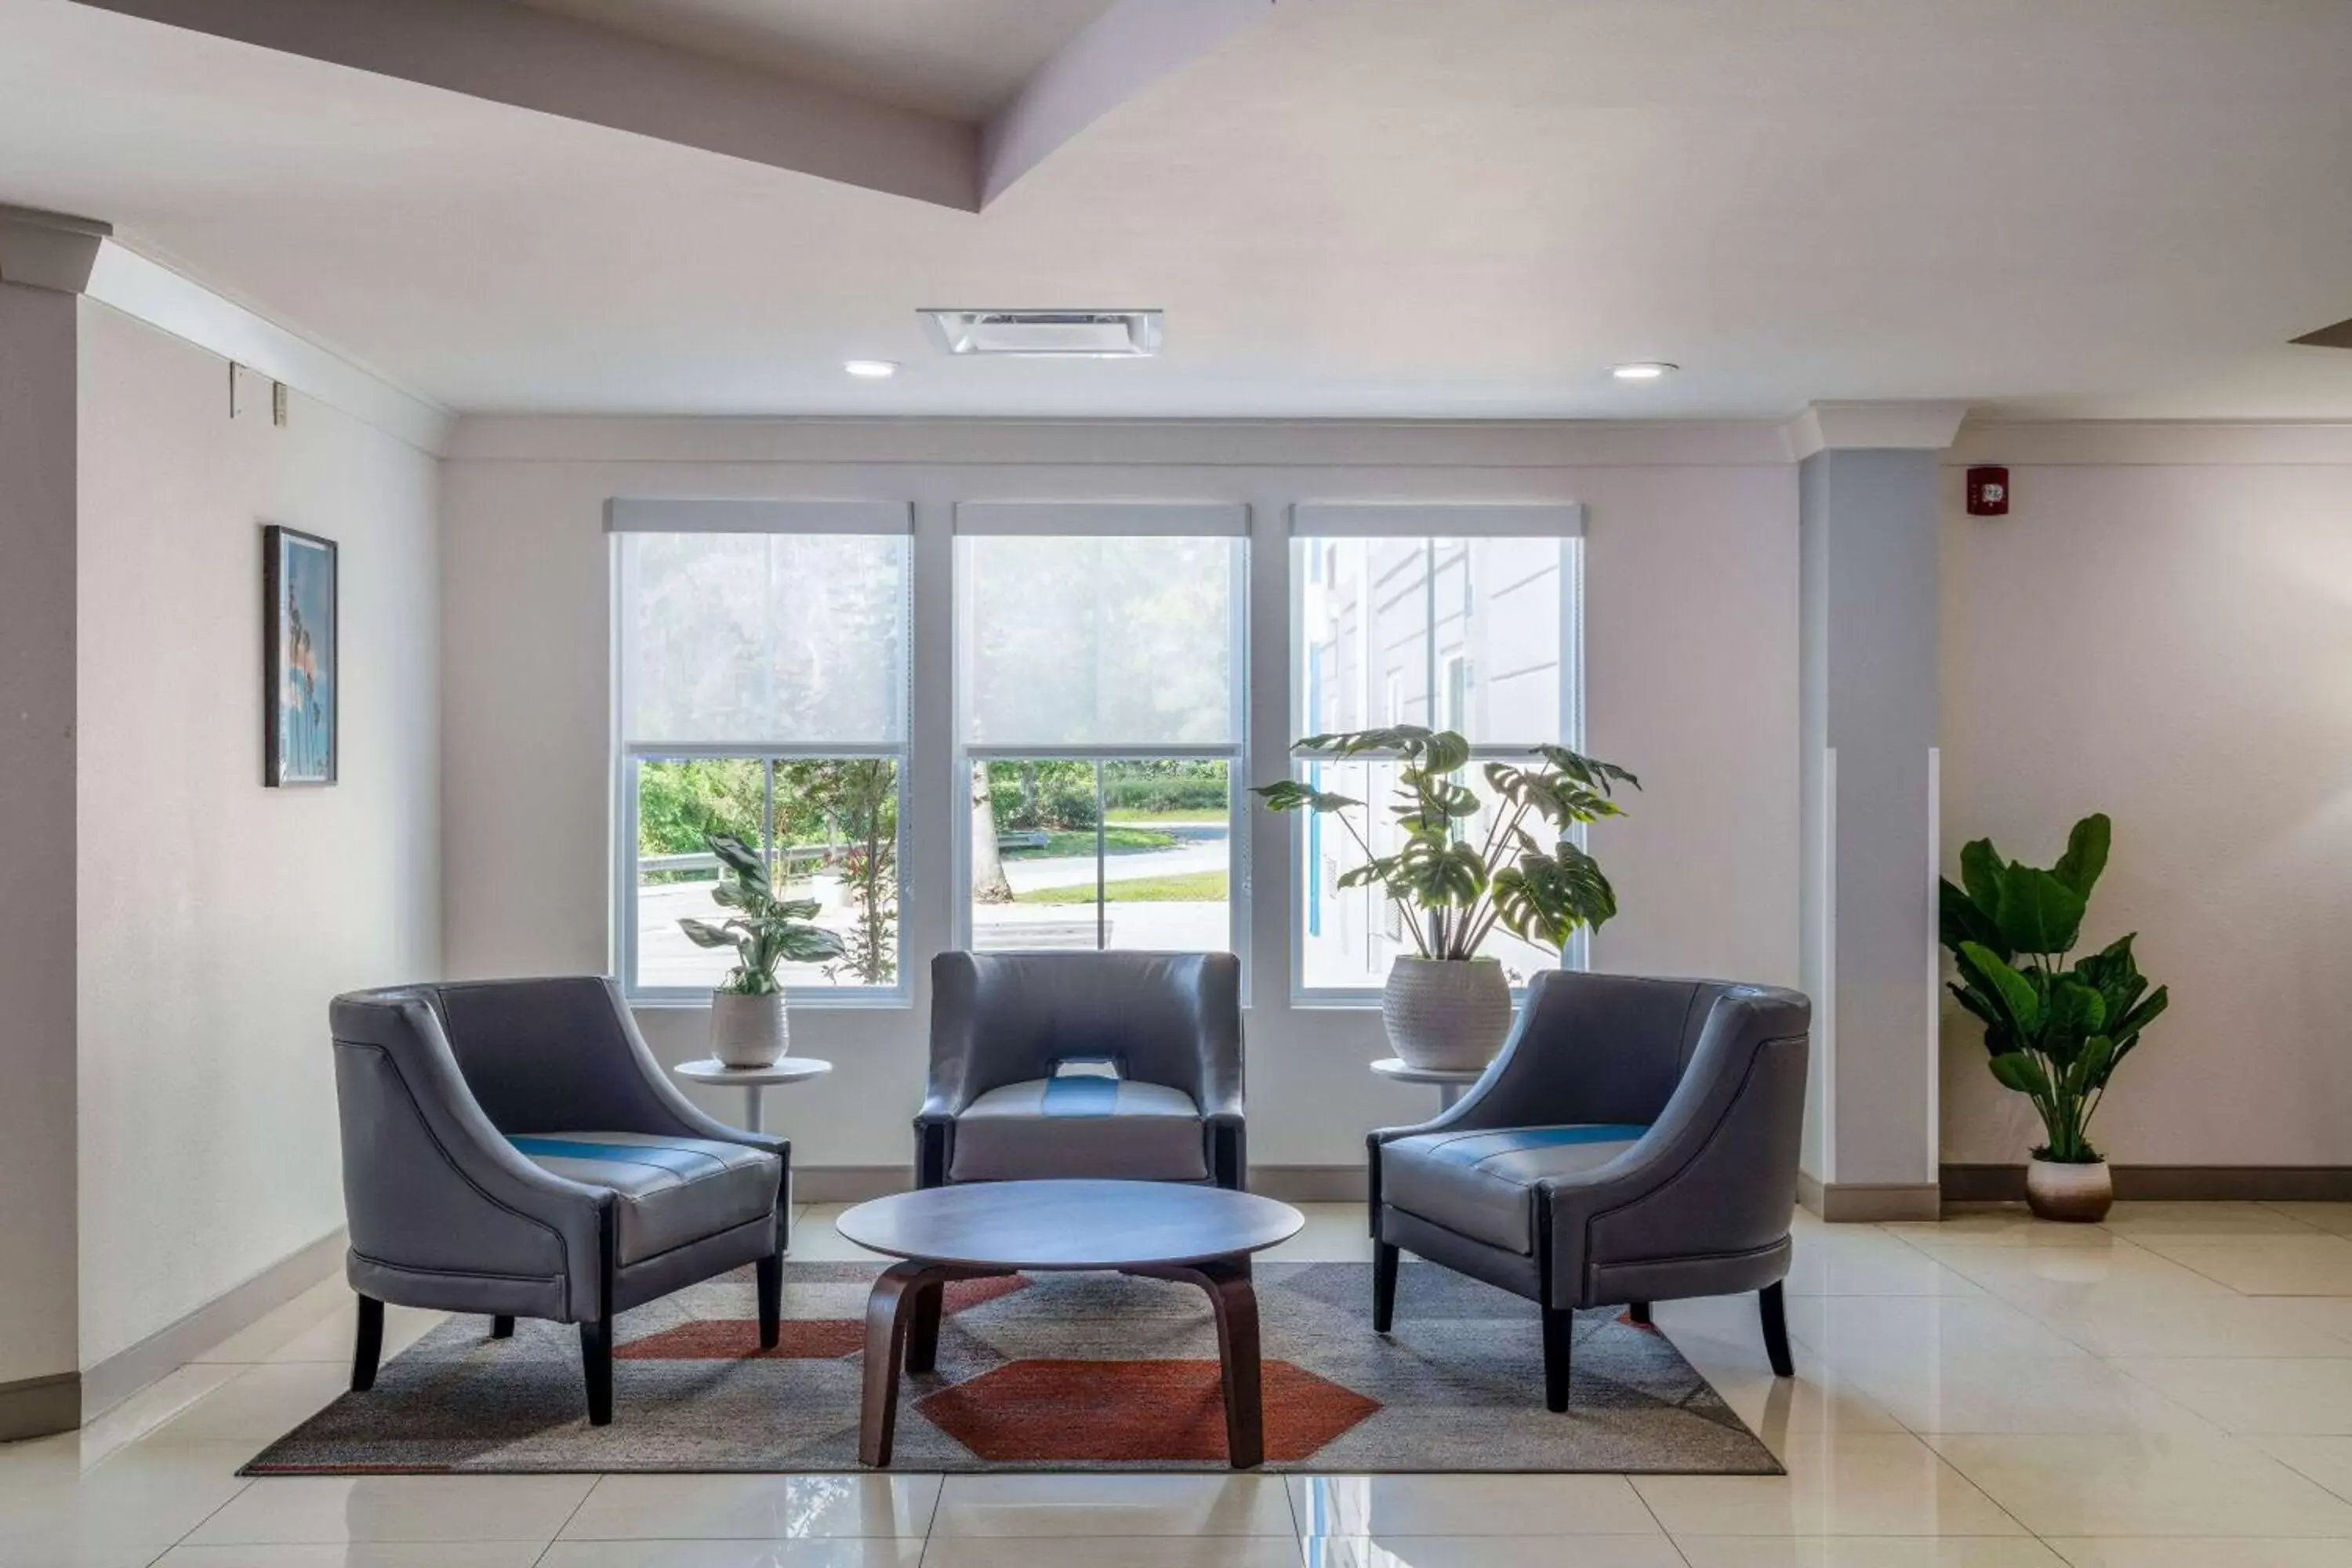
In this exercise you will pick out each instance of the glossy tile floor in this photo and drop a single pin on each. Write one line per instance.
(2171, 1389)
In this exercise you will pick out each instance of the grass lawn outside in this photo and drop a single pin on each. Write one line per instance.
(1116, 841)
(1190, 887)
(1173, 819)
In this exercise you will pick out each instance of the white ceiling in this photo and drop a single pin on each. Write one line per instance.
(963, 58)
(1360, 207)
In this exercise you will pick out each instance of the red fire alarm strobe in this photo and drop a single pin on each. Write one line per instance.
(1987, 492)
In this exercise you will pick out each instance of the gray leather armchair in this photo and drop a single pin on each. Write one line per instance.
(1636, 1140)
(511, 1147)
(1169, 1024)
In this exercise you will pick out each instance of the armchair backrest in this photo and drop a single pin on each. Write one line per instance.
(1614, 1048)
(558, 1054)
(1171, 1019)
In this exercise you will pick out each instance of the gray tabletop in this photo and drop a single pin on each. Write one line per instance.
(1047, 1225)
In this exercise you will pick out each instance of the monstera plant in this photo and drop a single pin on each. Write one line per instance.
(748, 1026)
(1453, 882)
(2056, 1032)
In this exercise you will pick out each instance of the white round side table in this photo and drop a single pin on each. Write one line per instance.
(751, 1080)
(1450, 1081)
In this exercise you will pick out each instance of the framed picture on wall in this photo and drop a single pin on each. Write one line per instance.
(299, 698)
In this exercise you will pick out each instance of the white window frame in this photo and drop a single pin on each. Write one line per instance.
(1316, 521)
(1098, 520)
(625, 515)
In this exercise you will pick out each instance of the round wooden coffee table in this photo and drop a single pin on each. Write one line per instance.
(1202, 1236)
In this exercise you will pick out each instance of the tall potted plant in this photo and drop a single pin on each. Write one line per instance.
(748, 1026)
(2055, 1033)
(1446, 1007)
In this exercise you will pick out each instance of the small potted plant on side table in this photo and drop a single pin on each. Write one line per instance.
(2056, 1034)
(748, 1025)
(1453, 883)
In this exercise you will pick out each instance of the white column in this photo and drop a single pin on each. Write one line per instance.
(45, 261)
(1868, 606)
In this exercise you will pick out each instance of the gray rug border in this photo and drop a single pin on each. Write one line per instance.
(260, 1466)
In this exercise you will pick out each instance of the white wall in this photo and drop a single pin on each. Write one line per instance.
(1691, 680)
(217, 917)
(2170, 643)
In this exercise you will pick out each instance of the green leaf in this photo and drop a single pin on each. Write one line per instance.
(1447, 752)
(2037, 912)
(2087, 854)
(1589, 771)
(2021, 1072)
(738, 858)
(2090, 1067)
(1291, 794)
(1980, 869)
(704, 934)
(1439, 875)
(1961, 920)
(2015, 995)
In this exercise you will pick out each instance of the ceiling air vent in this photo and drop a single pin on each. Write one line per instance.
(1047, 334)
(2338, 336)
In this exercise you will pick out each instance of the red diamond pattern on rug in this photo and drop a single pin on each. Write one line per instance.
(1113, 1411)
(801, 1339)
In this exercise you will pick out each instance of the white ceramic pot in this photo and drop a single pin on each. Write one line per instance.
(1446, 1013)
(749, 1031)
(2079, 1192)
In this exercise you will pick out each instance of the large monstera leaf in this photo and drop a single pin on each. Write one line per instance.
(1439, 874)
(1554, 796)
(1549, 898)
(1291, 794)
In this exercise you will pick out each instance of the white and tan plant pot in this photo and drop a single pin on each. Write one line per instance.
(1446, 1013)
(749, 1031)
(2080, 1192)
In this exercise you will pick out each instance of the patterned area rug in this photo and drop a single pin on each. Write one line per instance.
(1053, 1372)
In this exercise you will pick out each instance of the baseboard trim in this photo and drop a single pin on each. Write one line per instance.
(118, 1377)
(1862, 1203)
(40, 1407)
(1980, 1184)
(1291, 1183)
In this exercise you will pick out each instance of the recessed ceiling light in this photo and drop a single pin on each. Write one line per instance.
(1642, 370)
(1047, 334)
(872, 369)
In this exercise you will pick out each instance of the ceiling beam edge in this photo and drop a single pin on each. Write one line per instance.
(1123, 51)
(557, 65)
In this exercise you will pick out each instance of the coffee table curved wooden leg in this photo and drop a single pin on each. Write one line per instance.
(906, 1303)
(1235, 1300)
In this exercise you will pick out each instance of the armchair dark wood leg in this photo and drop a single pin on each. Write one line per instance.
(1558, 1341)
(1639, 1311)
(1775, 1313)
(1227, 1164)
(501, 1328)
(367, 1349)
(931, 1156)
(597, 1360)
(770, 1272)
(1384, 1278)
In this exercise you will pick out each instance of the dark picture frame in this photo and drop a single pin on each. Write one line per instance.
(301, 705)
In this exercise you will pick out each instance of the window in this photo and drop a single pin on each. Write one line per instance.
(761, 693)
(1473, 634)
(1099, 682)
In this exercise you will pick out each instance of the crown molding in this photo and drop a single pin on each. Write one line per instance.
(2122, 443)
(48, 251)
(1190, 443)
(149, 291)
(1847, 426)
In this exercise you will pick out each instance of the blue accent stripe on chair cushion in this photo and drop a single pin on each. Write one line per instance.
(681, 1162)
(1081, 1095)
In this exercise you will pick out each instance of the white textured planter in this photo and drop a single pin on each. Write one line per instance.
(2080, 1192)
(748, 1031)
(1446, 1013)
